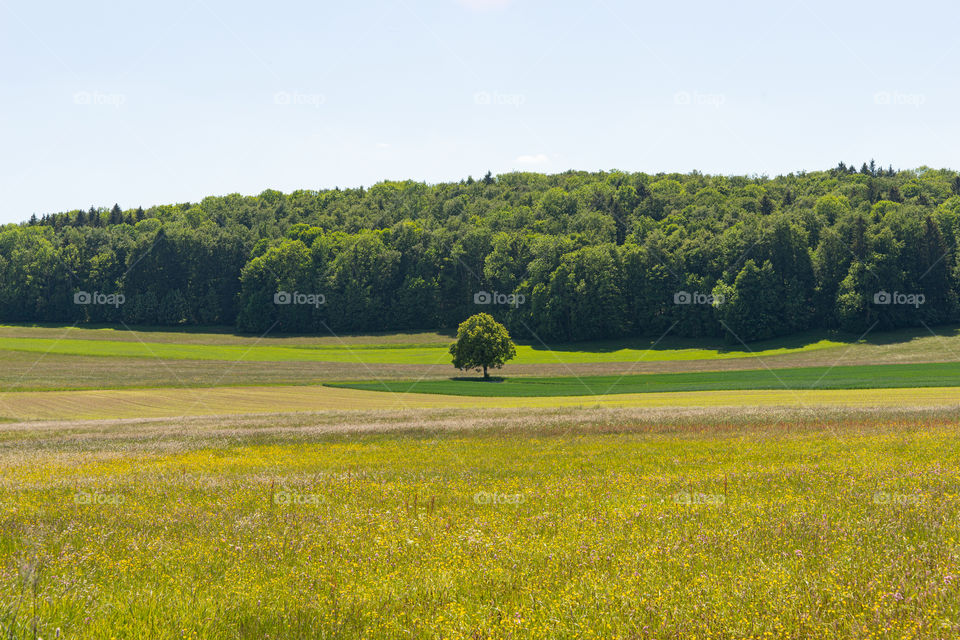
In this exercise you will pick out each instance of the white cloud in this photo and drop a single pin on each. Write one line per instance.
(540, 158)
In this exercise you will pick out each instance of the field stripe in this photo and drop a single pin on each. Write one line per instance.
(386, 353)
(940, 374)
(137, 403)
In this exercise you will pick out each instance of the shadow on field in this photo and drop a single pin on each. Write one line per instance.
(797, 341)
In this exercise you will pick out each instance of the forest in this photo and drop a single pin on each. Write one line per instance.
(565, 257)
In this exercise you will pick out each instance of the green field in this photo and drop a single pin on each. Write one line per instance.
(414, 353)
(47, 358)
(209, 485)
(55, 372)
(840, 377)
(573, 524)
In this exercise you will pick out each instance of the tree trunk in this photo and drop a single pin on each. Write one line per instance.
(486, 376)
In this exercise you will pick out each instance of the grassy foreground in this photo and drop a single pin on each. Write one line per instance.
(572, 524)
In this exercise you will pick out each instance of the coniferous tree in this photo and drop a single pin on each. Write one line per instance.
(766, 205)
(116, 215)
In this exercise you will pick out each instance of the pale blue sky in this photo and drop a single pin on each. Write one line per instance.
(150, 103)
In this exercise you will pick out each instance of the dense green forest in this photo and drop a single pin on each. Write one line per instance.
(572, 256)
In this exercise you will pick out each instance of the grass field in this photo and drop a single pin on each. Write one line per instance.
(96, 359)
(413, 353)
(539, 524)
(203, 484)
(944, 374)
(47, 384)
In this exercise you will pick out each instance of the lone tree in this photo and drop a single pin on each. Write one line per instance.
(482, 342)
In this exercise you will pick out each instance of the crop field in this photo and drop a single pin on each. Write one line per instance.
(448, 524)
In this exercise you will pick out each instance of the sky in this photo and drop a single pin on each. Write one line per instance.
(144, 103)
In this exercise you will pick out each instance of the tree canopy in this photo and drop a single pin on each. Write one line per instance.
(482, 344)
(565, 257)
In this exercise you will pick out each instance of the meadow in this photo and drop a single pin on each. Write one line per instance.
(448, 524)
(50, 358)
(160, 484)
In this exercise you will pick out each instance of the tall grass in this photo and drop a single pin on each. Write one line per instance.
(563, 525)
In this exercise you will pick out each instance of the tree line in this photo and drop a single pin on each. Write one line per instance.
(565, 257)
